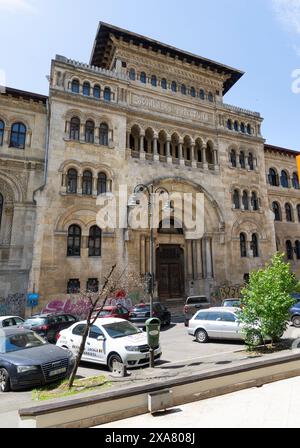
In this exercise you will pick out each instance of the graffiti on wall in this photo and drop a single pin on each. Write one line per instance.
(14, 304)
(227, 292)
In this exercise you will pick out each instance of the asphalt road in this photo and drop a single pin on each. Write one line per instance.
(177, 347)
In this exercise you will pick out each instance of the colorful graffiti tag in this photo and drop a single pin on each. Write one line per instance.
(226, 292)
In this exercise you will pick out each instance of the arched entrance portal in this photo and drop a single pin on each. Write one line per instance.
(170, 271)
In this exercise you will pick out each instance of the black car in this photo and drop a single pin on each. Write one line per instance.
(27, 360)
(141, 313)
(49, 325)
(295, 315)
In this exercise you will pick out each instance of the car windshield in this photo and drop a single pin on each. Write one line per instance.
(17, 342)
(142, 308)
(232, 303)
(35, 322)
(196, 300)
(104, 313)
(121, 329)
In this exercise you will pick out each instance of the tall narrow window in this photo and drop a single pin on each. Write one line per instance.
(229, 125)
(295, 178)
(251, 161)
(236, 200)
(154, 81)
(298, 212)
(284, 179)
(297, 249)
(102, 183)
(254, 246)
(18, 136)
(233, 159)
(75, 87)
(73, 286)
(242, 160)
(90, 131)
(74, 241)
(273, 178)
(277, 211)
(193, 92)
(243, 129)
(174, 86)
(245, 200)
(87, 183)
(1, 132)
(132, 74)
(72, 181)
(95, 242)
(243, 245)
(254, 202)
(202, 94)
(75, 129)
(289, 250)
(103, 134)
(164, 84)
(107, 94)
(289, 213)
(210, 97)
(1, 208)
(143, 78)
(183, 89)
(86, 90)
(249, 129)
(96, 91)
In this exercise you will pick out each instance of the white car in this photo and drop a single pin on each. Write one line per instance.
(10, 321)
(110, 340)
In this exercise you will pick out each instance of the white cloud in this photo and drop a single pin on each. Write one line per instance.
(17, 6)
(288, 12)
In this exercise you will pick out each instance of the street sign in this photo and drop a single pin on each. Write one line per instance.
(32, 300)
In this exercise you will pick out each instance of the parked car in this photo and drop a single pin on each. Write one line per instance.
(117, 312)
(110, 340)
(49, 325)
(141, 313)
(232, 303)
(10, 321)
(218, 323)
(194, 304)
(27, 360)
(295, 315)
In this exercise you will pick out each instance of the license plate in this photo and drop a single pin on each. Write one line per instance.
(57, 372)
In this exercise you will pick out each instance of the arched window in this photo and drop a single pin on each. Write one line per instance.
(233, 158)
(95, 242)
(284, 179)
(236, 126)
(74, 241)
(154, 81)
(90, 131)
(243, 245)
(297, 249)
(102, 183)
(1, 208)
(86, 90)
(174, 86)
(96, 91)
(229, 125)
(277, 211)
(242, 160)
(87, 183)
(245, 200)
(72, 181)
(107, 94)
(132, 74)
(164, 84)
(289, 250)
(243, 129)
(273, 178)
(202, 94)
(210, 97)
(75, 129)
(254, 246)
(289, 213)
(249, 129)
(143, 77)
(298, 212)
(236, 200)
(295, 179)
(1, 132)
(254, 202)
(183, 89)
(75, 87)
(103, 134)
(193, 92)
(18, 136)
(251, 161)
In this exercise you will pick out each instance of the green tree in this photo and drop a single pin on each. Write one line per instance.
(267, 300)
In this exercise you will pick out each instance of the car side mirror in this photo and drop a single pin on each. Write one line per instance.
(101, 339)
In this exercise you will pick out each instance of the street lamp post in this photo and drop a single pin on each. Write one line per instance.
(151, 192)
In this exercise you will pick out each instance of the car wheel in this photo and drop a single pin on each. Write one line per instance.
(186, 323)
(4, 380)
(296, 321)
(112, 359)
(255, 340)
(201, 336)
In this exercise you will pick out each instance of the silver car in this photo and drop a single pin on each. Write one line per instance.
(10, 321)
(216, 323)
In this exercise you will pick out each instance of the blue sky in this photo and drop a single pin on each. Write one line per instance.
(261, 37)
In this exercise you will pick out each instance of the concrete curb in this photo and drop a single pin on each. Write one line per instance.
(117, 405)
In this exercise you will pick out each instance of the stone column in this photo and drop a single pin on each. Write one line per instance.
(79, 184)
(155, 149)
(193, 159)
(181, 158)
(215, 155)
(82, 132)
(95, 186)
(189, 259)
(204, 160)
(128, 140)
(168, 152)
(199, 260)
(209, 267)
(142, 150)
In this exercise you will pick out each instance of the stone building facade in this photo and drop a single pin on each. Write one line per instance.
(143, 112)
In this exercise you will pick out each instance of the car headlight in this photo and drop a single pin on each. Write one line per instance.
(26, 369)
(132, 349)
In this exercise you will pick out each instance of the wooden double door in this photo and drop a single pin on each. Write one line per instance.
(170, 272)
